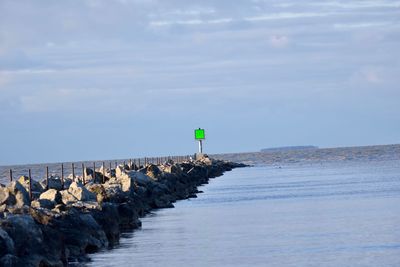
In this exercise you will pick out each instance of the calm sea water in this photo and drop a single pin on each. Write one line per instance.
(326, 214)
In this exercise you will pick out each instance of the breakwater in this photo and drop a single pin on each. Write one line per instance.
(63, 221)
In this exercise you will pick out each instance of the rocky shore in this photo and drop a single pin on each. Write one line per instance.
(62, 223)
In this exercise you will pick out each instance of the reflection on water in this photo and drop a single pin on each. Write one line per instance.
(331, 214)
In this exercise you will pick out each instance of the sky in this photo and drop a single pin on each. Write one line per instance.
(107, 79)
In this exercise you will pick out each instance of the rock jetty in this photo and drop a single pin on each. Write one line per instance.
(60, 224)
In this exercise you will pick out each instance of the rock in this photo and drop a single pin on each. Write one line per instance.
(67, 198)
(80, 192)
(20, 194)
(43, 203)
(9, 260)
(3, 208)
(54, 183)
(174, 169)
(52, 195)
(153, 171)
(124, 179)
(5, 197)
(36, 187)
(27, 235)
(6, 243)
(98, 190)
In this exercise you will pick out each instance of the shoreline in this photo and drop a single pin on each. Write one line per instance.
(58, 226)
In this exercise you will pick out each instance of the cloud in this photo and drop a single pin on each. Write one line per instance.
(279, 41)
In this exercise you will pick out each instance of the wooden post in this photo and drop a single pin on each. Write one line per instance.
(62, 176)
(11, 175)
(104, 173)
(130, 164)
(94, 172)
(139, 162)
(110, 170)
(47, 177)
(30, 184)
(83, 174)
(73, 172)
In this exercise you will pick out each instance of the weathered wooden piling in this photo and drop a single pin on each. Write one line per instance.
(94, 171)
(11, 175)
(62, 176)
(104, 173)
(30, 184)
(83, 174)
(73, 172)
(47, 177)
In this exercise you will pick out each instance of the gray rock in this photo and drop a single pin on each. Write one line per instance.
(52, 195)
(67, 198)
(5, 196)
(27, 235)
(80, 192)
(6, 243)
(43, 203)
(54, 183)
(36, 187)
(9, 260)
(20, 194)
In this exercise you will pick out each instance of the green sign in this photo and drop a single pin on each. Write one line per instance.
(199, 134)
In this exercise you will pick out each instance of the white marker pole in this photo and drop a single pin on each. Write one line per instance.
(201, 146)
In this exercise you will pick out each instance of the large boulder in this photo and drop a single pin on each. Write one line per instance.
(153, 171)
(20, 193)
(80, 192)
(67, 198)
(54, 183)
(27, 235)
(43, 203)
(6, 243)
(5, 197)
(124, 179)
(52, 195)
(36, 186)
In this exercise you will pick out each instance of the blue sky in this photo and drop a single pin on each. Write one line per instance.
(97, 79)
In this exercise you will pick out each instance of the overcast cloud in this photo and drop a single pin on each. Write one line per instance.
(102, 79)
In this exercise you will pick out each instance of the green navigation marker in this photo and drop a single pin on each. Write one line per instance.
(199, 134)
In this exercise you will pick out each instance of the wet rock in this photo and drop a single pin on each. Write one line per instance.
(53, 195)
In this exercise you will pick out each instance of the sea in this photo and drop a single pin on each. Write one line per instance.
(336, 212)
(285, 210)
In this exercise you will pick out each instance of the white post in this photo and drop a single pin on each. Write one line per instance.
(201, 146)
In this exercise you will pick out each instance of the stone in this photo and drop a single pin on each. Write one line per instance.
(20, 194)
(9, 260)
(153, 171)
(36, 187)
(6, 243)
(174, 169)
(5, 197)
(80, 192)
(43, 203)
(67, 198)
(54, 183)
(26, 234)
(52, 195)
